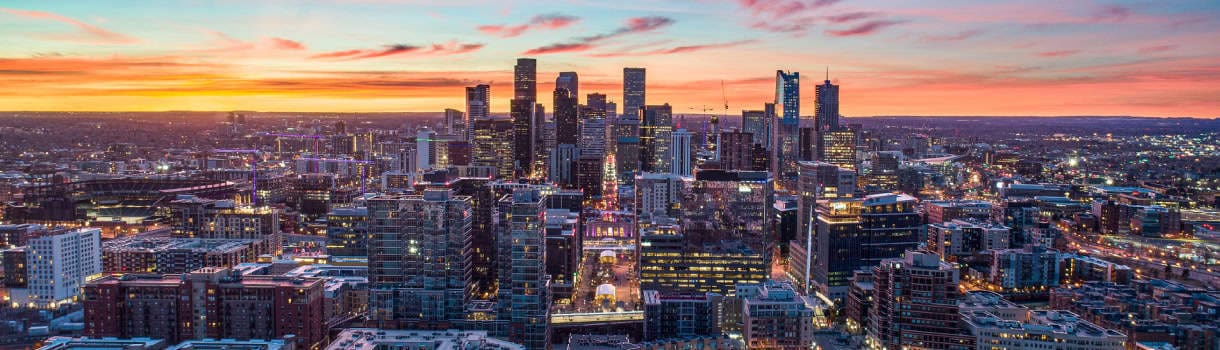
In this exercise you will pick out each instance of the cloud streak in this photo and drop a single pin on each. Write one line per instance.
(1058, 53)
(634, 25)
(549, 21)
(959, 36)
(445, 49)
(87, 33)
(674, 50)
(866, 28)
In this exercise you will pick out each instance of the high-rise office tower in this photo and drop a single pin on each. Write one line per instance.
(478, 102)
(524, 301)
(569, 81)
(596, 101)
(788, 107)
(523, 136)
(815, 180)
(731, 205)
(526, 136)
(590, 170)
(562, 165)
(859, 233)
(626, 136)
(455, 123)
(478, 106)
(838, 147)
(737, 151)
(827, 106)
(544, 140)
(611, 113)
(633, 92)
(525, 79)
(656, 132)
(756, 123)
(418, 259)
(493, 145)
(593, 126)
(566, 117)
(915, 304)
(808, 144)
(681, 150)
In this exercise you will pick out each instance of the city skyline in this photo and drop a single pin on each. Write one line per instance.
(1038, 58)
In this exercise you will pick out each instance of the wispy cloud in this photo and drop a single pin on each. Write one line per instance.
(674, 50)
(549, 21)
(633, 25)
(866, 28)
(959, 36)
(87, 33)
(225, 43)
(1058, 53)
(1157, 49)
(851, 16)
(449, 48)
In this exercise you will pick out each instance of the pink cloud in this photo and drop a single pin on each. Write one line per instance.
(959, 36)
(285, 44)
(634, 25)
(1058, 53)
(866, 28)
(551, 21)
(88, 33)
(445, 49)
(675, 50)
(1157, 48)
(850, 16)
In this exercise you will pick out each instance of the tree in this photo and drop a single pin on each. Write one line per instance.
(1168, 271)
(1185, 273)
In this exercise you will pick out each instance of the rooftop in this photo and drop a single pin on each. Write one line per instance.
(373, 339)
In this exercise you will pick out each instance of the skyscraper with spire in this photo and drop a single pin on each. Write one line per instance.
(827, 105)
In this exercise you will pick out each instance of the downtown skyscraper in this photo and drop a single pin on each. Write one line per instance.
(656, 133)
(478, 102)
(571, 82)
(827, 106)
(526, 136)
(633, 92)
(788, 111)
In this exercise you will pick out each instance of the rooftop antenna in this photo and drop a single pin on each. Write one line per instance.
(828, 72)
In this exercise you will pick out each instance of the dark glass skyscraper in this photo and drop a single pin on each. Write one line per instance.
(633, 92)
(828, 106)
(656, 133)
(566, 112)
(522, 110)
(525, 79)
(571, 82)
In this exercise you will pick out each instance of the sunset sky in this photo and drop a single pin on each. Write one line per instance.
(1037, 57)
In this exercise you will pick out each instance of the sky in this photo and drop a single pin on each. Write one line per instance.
(890, 57)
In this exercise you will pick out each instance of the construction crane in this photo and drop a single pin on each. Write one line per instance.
(253, 169)
(363, 178)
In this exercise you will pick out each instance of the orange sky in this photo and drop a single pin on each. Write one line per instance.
(1039, 58)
